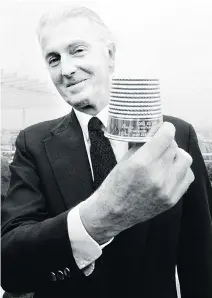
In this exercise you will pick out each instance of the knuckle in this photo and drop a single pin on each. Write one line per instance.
(191, 176)
(172, 203)
(165, 133)
(185, 188)
(173, 147)
(168, 202)
(169, 129)
(185, 156)
(158, 186)
(180, 152)
(165, 197)
(174, 200)
(189, 158)
(181, 173)
(172, 151)
(174, 144)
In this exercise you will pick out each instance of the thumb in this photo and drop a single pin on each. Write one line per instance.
(133, 148)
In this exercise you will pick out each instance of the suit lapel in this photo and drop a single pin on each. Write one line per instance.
(69, 161)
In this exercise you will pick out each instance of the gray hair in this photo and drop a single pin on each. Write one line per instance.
(56, 16)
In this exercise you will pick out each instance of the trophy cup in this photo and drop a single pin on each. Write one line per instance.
(135, 112)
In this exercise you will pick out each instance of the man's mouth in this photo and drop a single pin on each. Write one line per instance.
(75, 83)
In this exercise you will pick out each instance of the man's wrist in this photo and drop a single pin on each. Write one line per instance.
(94, 222)
(85, 249)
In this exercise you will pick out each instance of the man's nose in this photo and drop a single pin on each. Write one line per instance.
(68, 66)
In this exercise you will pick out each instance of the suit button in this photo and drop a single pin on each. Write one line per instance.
(60, 275)
(67, 272)
(53, 276)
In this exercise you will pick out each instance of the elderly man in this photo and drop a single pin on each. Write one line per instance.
(85, 216)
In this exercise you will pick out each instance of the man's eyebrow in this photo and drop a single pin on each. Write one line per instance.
(78, 42)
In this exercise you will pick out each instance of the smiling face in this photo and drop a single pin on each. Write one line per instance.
(80, 62)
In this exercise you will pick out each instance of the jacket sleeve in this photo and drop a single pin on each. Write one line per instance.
(34, 246)
(195, 249)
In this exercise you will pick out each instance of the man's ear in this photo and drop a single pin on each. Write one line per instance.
(111, 51)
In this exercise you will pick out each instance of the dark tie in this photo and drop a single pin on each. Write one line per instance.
(102, 155)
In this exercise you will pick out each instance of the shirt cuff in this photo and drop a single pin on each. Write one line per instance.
(85, 249)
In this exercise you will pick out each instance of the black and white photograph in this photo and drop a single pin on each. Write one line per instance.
(106, 149)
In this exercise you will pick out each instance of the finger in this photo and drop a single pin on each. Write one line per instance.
(131, 151)
(167, 158)
(182, 162)
(182, 187)
(154, 148)
(183, 154)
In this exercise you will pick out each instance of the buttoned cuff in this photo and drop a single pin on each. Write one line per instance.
(84, 248)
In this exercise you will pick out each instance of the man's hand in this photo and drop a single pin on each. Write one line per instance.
(147, 182)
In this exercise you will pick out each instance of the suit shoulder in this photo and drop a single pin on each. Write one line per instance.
(179, 124)
(183, 131)
(42, 130)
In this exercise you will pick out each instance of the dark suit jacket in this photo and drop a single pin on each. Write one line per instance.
(50, 175)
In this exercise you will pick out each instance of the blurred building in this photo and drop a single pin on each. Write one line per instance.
(26, 101)
(206, 148)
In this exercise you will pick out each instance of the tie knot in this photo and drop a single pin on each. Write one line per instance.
(94, 124)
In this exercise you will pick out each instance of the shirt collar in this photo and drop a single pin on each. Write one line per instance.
(85, 118)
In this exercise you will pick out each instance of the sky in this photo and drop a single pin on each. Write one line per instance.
(169, 40)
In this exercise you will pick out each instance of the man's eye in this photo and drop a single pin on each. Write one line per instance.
(79, 51)
(53, 61)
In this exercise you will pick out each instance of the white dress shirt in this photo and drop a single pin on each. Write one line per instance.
(85, 249)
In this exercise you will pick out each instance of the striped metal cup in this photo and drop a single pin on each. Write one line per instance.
(135, 112)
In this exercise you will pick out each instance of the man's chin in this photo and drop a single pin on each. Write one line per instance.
(83, 105)
(87, 109)
(77, 104)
